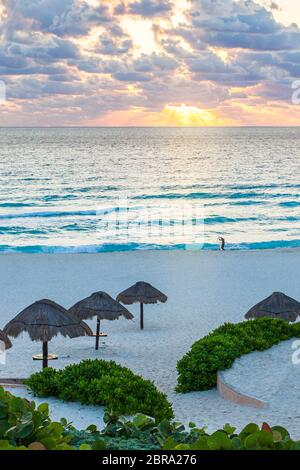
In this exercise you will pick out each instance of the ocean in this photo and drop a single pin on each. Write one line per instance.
(119, 189)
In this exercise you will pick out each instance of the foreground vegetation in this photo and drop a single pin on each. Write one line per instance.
(102, 383)
(197, 370)
(143, 433)
(23, 426)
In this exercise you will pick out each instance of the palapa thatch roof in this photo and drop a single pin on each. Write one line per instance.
(4, 338)
(278, 305)
(100, 305)
(141, 292)
(45, 319)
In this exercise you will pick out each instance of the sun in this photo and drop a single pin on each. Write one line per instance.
(190, 116)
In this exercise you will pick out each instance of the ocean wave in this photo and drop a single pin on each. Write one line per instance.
(289, 204)
(63, 213)
(22, 231)
(125, 247)
(246, 203)
(58, 197)
(231, 187)
(216, 195)
(226, 220)
(16, 204)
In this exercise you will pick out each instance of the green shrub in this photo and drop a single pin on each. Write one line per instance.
(24, 426)
(143, 433)
(103, 383)
(197, 370)
(44, 384)
(252, 437)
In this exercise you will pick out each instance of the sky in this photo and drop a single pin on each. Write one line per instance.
(149, 62)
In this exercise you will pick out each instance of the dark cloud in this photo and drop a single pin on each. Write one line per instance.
(32, 88)
(132, 77)
(243, 24)
(272, 5)
(150, 63)
(120, 9)
(61, 17)
(53, 50)
(109, 46)
(150, 7)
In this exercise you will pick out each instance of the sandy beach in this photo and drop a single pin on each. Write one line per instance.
(205, 289)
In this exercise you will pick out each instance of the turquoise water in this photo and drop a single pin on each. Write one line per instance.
(89, 190)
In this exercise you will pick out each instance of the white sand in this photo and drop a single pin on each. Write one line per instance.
(205, 289)
(271, 376)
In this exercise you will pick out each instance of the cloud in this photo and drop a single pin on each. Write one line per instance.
(114, 41)
(81, 61)
(243, 24)
(149, 8)
(132, 77)
(61, 17)
(153, 62)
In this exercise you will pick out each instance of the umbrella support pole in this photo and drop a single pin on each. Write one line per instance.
(45, 355)
(97, 335)
(142, 316)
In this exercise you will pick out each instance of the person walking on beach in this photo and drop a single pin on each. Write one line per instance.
(222, 243)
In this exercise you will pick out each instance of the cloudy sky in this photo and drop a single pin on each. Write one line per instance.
(149, 62)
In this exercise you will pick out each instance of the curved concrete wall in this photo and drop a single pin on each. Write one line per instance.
(12, 383)
(233, 394)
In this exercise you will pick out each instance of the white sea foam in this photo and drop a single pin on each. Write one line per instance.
(61, 188)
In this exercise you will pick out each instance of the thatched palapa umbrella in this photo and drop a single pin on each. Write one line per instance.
(278, 305)
(102, 306)
(42, 321)
(142, 293)
(5, 339)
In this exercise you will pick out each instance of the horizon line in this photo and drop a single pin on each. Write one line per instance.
(253, 126)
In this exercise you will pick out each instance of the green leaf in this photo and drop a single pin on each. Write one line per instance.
(219, 441)
(201, 444)
(164, 427)
(140, 420)
(49, 442)
(277, 437)
(295, 446)
(92, 428)
(284, 433)
(169, 444)
(4, 427)
(229, 429)
(3, 410)
(259, 440)
(266, 438)
(21, 431)
(236, 442)
(250, 429)
(182, 447)
(4, 445)
(44, 408)
(99, 445)
(85, 447)
(63, 446)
